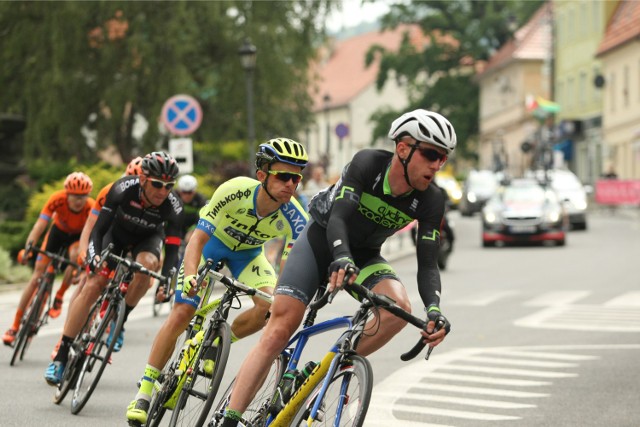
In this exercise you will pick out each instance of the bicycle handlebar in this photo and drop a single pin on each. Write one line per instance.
(56, 257)
(229, 282)
(132, 265)
(388, 304)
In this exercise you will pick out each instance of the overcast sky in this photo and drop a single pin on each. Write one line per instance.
(354, 12)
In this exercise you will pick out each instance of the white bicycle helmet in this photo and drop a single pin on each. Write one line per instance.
(425, 126)
(187, 183)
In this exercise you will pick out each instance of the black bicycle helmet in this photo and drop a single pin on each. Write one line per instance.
(160, 165)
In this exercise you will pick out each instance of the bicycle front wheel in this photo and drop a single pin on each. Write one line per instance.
(201, 386)
(29, 324)
(257, 412)
(98, 354)
(346, 400)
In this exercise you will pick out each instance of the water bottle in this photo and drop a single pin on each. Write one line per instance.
(189, 350)
(283, 392)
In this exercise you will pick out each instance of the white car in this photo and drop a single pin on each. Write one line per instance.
(571, 193)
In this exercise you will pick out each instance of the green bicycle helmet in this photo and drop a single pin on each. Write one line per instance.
(281, 150)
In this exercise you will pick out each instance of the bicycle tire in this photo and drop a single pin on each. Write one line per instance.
(95, 356)
(258, 410)
(30, 322)
(353, 379)
(76, 361)
(168, 382)
(199, 391)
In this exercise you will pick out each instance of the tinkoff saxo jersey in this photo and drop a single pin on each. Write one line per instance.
(231, 216)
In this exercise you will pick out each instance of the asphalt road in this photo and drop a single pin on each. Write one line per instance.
(542, 336)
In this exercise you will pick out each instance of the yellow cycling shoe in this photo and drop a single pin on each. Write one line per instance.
(137, 412)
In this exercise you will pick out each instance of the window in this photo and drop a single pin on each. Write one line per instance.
(625, 86)
(583, 89)
(612, 91)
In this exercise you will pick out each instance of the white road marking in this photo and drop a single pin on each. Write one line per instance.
(522, 362)
(557, 298)
(583, 318)
(630, 299)
(431, 386)
(484, 299)
(480, 416)
(429, 397)
(487, 380)
(509, 371)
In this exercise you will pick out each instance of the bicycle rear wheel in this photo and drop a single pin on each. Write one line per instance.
(98, 355)
(200, 389)
(29, 324)
(258, 410)
(346, 400)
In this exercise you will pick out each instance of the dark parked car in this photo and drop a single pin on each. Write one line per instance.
(477, 189)
(523, 211)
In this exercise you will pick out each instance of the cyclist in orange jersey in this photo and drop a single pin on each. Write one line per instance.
(133, 168)
(69, 209)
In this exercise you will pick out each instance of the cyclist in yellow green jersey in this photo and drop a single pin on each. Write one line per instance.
(242, 215)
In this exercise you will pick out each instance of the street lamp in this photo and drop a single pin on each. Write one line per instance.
(327, 101)
(248, 54)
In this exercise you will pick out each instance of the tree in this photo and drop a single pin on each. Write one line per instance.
(439, 75)
(64, 61)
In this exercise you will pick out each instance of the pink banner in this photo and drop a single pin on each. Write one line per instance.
(618, 192)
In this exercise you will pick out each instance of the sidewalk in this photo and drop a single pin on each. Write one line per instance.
(624, 211)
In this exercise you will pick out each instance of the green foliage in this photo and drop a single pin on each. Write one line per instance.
(119, 59)
(11, 272)
(461, 33)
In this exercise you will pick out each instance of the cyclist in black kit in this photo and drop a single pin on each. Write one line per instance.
(133, 219)
(378, 194)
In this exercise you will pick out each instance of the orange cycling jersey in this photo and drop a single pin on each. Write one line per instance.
(102, 197)
(66, 220)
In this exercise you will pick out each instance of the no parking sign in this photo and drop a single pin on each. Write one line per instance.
(182, 115)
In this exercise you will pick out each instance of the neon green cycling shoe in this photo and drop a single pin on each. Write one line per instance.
(209, 366)
(137, 412)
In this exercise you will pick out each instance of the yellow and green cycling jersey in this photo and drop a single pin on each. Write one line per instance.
(231, 217)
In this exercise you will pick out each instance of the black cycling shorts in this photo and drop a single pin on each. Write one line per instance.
(307, 267)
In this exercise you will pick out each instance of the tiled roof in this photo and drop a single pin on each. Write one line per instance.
(624, 26)
(344, 75)
(532, 41)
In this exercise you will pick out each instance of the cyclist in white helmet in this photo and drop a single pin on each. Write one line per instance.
(378, 194)
(192, 201)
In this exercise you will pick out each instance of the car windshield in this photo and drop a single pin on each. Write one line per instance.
(482, 181)
(565, 182)
(523, 194)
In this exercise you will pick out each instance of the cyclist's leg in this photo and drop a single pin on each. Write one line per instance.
(306, 268)
(163, 345)
(260, 274)
(72, 250)
(78, 312)
(378, 276)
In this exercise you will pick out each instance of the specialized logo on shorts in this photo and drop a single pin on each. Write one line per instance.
(376, 210)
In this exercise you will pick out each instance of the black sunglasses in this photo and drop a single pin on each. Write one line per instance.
(156, 183)
(431, 154)
(286, 176)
